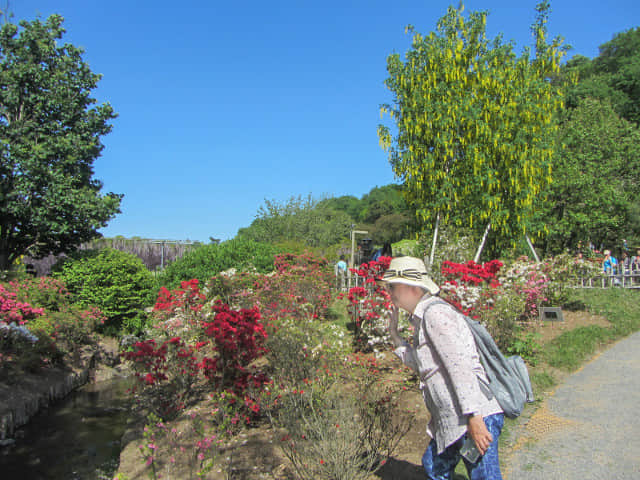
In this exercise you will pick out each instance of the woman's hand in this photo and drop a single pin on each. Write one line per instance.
(392, 322)
(479, 433)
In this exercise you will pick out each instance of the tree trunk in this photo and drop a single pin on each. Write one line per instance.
(4, 261)
(481, 246)
(433, 244)
(533, 250)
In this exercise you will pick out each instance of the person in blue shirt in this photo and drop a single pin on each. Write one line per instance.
(609, 264)
(341, 272)
(385, 251)
(342, 264)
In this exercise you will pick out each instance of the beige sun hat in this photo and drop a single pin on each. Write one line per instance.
(410, 271)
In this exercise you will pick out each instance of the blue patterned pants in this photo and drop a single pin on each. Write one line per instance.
(441, 467)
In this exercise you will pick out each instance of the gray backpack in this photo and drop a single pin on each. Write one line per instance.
(508, 376)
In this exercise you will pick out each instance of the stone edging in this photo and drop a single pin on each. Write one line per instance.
(34, 393)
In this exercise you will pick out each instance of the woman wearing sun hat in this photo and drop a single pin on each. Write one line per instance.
(452, 380)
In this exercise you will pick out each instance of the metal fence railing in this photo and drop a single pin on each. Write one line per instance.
(346, 280)
(624, 280)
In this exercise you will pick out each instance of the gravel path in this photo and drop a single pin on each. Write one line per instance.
(589, 428)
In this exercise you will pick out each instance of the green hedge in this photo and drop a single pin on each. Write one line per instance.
(208, 260)
(116, 282)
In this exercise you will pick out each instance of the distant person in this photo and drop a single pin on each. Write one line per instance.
(635, 262)
(385, 251)
(625, 263)
(609, 264)
(341, 272)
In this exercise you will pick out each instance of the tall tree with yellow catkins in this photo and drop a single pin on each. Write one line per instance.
(475, 124)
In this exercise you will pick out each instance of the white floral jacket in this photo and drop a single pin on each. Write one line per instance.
(449, 367)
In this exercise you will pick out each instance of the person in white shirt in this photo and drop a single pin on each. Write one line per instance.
(454, 385)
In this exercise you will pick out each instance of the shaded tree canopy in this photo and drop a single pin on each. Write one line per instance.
(596, 187)
(50, 129)
(613, 76)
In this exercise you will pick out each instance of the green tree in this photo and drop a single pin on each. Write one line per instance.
(50, 131)
(613, 76)
(596, 188)
(382, 201)
(476, 124)
(347, 203)
(619, 63)
(299, 219)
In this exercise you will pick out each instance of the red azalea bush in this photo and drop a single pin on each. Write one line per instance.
(193, 337)
(300, 288)
(470, 286)
(237, 338)
(166, 373)
(368, 305)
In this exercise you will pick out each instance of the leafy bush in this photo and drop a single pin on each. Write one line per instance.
(44, 292)
(116, 282)
(340, 434)
(204, 262)
(300, 288)
(502, 319)
(39, 324)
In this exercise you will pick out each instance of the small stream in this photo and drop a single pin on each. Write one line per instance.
(78, 438)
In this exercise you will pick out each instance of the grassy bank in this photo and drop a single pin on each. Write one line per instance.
(621, 307)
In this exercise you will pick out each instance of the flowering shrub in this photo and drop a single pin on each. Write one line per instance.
(171, 452)
(237, 338)
(470, 286)
(43, 292)
(166, 373)
(194, 336)
(527, 279)
(12, 310)
(47, 324)
(368, 305)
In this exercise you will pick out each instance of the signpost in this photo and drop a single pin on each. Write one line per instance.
(353, 247)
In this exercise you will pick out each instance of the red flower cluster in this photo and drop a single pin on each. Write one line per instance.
(237, 339)
(188, 297)
(221, 349)
(368, 303)
(461, 278)
(471, 272)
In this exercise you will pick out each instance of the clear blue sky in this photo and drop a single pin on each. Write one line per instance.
(224, 104)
